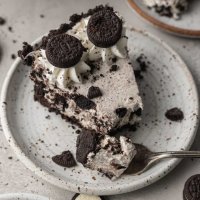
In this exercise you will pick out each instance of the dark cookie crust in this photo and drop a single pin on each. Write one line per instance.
(64, 51)
(66, 159)
(192, 188)
(104, 28)
(94, 92)
(86, 143)
(174, 114)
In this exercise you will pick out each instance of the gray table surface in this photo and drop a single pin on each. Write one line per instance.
(24, 17)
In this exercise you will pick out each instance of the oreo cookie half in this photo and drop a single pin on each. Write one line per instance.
(104, 28)
(64, 51)
(192, 188)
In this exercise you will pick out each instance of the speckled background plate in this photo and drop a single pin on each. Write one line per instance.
(36, 135)
(22, 196)
(187, 25)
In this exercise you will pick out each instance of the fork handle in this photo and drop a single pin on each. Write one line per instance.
(177, 154)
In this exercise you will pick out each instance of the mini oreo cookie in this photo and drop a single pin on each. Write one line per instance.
(104, 28)
(66, 159)
(64, 51)
(192, 188)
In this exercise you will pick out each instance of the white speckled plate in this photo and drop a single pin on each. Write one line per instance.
(187, 25)
(22, 196)
(35, 139)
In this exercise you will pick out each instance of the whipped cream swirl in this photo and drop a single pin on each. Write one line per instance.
(63, 76)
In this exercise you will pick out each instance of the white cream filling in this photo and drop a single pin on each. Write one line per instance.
(166, 3)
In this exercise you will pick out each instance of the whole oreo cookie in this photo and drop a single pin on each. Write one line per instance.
(64, 51)
(192, 188)
(104, 28)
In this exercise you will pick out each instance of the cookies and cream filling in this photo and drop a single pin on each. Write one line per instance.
(175, 7)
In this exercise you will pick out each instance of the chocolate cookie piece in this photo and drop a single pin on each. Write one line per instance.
(94, 92)
(84, 103)
(2, 21)
(121, 112)
(192, 188)
(66, 159)
(64, 51)
(104, 28)
(27, 48)
(174, 114)
(114, 68)
(86, 143)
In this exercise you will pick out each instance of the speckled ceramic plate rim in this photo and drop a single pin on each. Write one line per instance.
(23, 195)
(164, 26)
(84, 188)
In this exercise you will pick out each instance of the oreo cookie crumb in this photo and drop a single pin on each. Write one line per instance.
(47, 117)
(67, 56)
(94, 92)
(114, 68)
(114, 60)
(10, 29)
(86, 143)
(42, 16)
(13, 56)
(174, 114)
(138, 112)
(2, 21)
(121, 112)
(78, 131)
(14, 41)
(66, 159)
(27, 48)
(138, 74)
(104, 28)
(84, 103)
(142, 63)
(192, 188)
